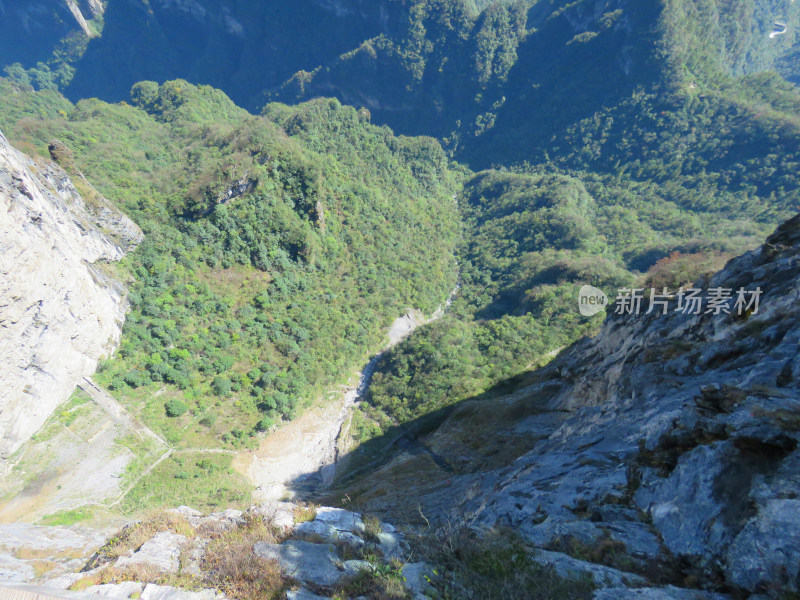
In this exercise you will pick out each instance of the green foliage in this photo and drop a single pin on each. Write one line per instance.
(67, 517)
(277, 248)
(175, 408)
(206, 481)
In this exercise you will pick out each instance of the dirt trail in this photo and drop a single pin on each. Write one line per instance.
(116, 411)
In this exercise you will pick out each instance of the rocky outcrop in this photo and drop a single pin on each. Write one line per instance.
(60, 311)
(23, 546)
(680, 442)
(313, 548)
(664, 448)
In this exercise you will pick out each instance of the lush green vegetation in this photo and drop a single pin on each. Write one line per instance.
(203, 480)
(532, 238)
(277, 248)
(67, 517)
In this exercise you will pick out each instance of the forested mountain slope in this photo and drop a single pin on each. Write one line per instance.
(665, 447)
(277, 249)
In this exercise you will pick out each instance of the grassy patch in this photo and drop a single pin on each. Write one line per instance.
(305, 512)
(497, 566)
(144, 573)
(201, 480)
(372, 526)
(381, 582)
(231, 566)
(67, 517)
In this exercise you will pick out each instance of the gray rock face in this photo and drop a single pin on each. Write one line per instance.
(767, 551)
(59, 313)
(304, 561)
(162, 552)
(666, 593)
(679, 449)
(571, 568)
(416, 579)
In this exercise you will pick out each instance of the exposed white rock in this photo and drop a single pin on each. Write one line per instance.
(59, 314)
(125, 589)
(162, 552)
(14, 569)
(166, 592)
(343, 520)
(65, 548)
(417, 579)
(280, 514)
(304, 561)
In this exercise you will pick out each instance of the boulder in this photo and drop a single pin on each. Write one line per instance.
(162, 552)
(664, 593)
(417, 579)
(328, 533)
(304, 561)
(341, 519)
(571, 568)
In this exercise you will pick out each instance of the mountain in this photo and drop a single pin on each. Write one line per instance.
(666, 446)
(465, 71)
(306, 174)
(276, 250)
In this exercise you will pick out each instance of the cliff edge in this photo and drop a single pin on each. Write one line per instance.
(60, 312)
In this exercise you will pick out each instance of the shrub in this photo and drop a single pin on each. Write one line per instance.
(222, 386)
(175, 408)
(264, 424)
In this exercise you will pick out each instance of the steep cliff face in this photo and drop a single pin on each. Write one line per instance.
(59, 311)
(680, 438)
(240, 47)
(666, 446)
(32, 28)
